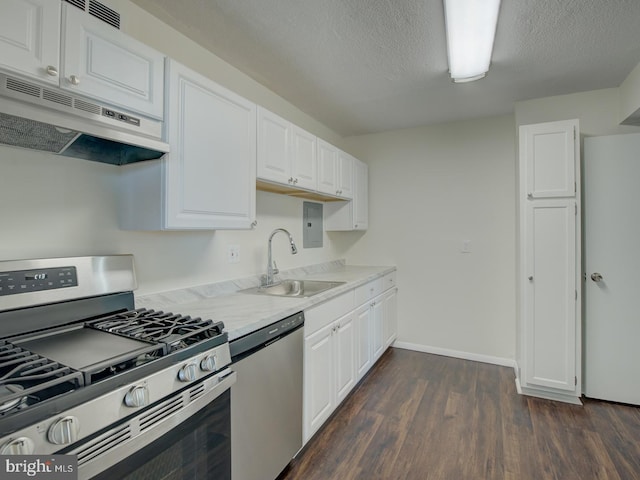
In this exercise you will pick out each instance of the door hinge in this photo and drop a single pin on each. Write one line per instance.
(576, 294)
(575, 381)
(575, 187)
(576, 209)
(574, 133)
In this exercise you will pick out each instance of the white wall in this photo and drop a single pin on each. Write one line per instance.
(597, 110)
(54, 206)
(432, 188)
(57, 206)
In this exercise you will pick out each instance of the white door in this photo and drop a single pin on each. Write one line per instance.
(550, 300)
(30, 38)
(319, 380)
(304, 165)
(612, 305)
(274, 152)
(102, 62)
(345, 357)
(211, 170)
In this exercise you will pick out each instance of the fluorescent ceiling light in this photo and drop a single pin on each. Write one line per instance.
(471, 29)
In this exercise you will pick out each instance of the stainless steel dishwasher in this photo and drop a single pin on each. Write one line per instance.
(266, 400)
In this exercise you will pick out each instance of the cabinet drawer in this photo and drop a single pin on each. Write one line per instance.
(367, 291)
(389, 281)
(317, 317)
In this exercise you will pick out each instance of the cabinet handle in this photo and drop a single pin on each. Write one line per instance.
(254, 224)
(52, 71)
(74, 80)
(531, 278)
(530, 195)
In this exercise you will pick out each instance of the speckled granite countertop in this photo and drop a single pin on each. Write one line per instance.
(244, 313)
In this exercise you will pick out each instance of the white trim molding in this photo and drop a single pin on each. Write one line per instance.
(476, 357)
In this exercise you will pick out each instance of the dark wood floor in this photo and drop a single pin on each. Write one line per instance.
(421, 416)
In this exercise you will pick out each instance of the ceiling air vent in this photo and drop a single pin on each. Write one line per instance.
(98, 10)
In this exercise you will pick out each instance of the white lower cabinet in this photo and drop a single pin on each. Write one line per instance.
(341, 345)
(363, 340)
(329, 360)
(390, 316)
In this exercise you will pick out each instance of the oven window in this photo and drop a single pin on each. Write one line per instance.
(198, 448)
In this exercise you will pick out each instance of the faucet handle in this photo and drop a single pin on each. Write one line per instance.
(275, 268)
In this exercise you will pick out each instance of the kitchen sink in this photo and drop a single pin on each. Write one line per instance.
(295, 288)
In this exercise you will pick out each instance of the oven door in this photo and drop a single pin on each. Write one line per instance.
(192, 442)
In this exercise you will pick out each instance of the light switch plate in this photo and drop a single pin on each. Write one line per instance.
(233, 253)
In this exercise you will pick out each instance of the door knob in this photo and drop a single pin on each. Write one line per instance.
(596, 277)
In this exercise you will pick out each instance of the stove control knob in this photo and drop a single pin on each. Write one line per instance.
(18, 446)
(208, 363)
(138, 396)
(188, 373)
(64, 431)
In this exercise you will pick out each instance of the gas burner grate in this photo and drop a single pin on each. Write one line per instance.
(176, 331)
(26, 377)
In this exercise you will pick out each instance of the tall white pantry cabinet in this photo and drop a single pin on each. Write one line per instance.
(549, 327)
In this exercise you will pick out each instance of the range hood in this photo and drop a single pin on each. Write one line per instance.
(51, 120)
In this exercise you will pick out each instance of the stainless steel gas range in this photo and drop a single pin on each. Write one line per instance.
(131, 392)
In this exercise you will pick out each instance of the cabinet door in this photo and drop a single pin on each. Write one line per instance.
(362, 320)
(327, 164)
(377, 329)
(390, 315)
(210, 172)
(274, 148)
(345, 175)
(549, 152)
(345, 343)
(30, 38)
(550, 294)
(304, 165)
(361, 196)
(100, 61)
(319, 399)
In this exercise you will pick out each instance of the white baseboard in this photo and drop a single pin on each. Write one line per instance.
(476, 357)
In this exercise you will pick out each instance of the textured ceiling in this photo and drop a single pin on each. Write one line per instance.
(364, 66)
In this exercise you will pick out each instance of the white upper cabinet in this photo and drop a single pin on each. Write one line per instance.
(304, 160)
(103, 63)
(550, 150)
(344, 180)
(335, 171)
(286, 153)
(352, 215)
(30, 38)
(274, 147)
(327, 167)
(207, 181)
(60, 44)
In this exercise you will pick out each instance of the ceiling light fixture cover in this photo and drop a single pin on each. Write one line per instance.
(471, 29)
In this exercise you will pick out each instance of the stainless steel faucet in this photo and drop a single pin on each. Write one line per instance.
(272, 268)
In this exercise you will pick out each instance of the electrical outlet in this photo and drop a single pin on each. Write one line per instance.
(233, 253)
(466, 246)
